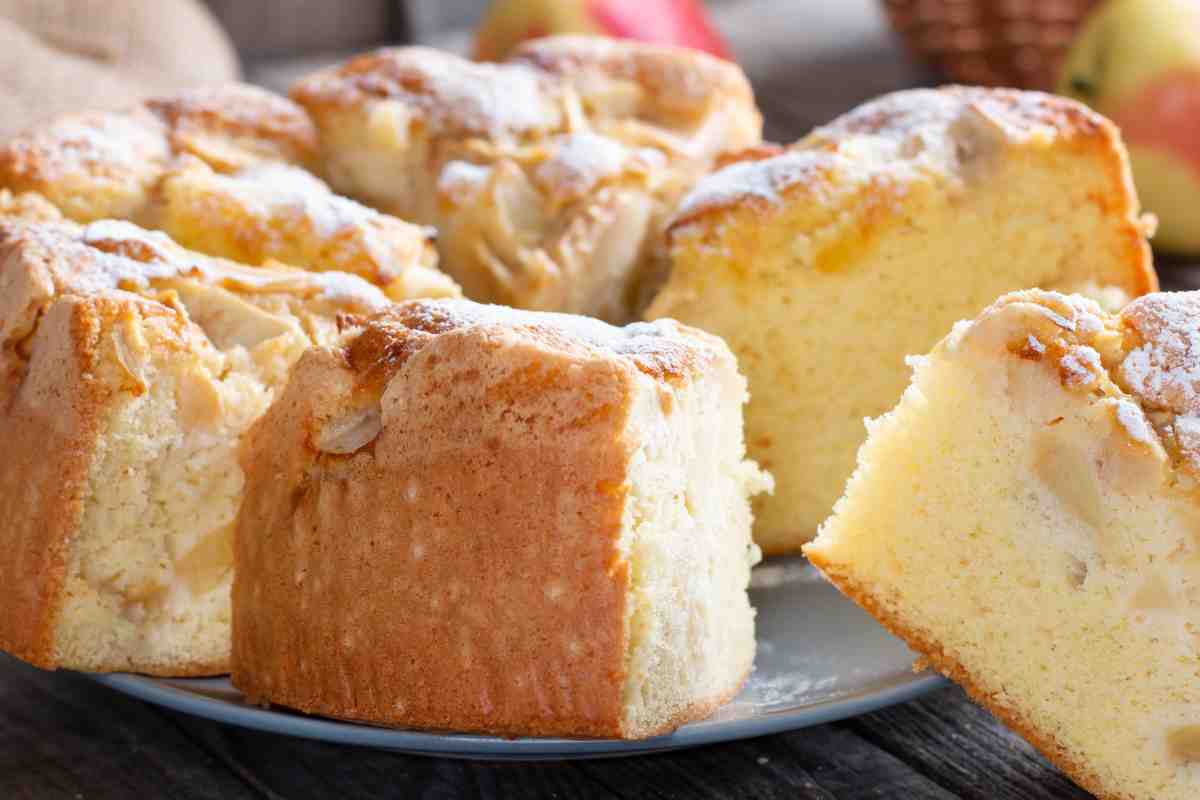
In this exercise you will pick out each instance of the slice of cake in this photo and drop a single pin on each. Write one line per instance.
(550, 177)
(281, 213)
(478, 519)
(221, 172)
(105, 165)
(1027, 519)
(824, 265)
(129, 368)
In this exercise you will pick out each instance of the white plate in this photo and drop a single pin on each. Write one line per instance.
(820, 658)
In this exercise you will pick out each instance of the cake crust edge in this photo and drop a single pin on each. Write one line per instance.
(934, 655)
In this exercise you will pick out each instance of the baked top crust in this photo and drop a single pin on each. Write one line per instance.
(117, 157)
(276, 212)
(455, 97)
(663, 350)
(535, 92)
(1146, 357)
(918, 134)
(47, 260)
(223, 171)
(270, 126)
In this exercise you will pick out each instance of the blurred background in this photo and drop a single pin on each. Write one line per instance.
(811, 59)
(1136, 61)
(60, 55)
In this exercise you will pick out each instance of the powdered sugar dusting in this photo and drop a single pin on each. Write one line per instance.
(125, 255)
(105, 142)
(275, 186)
(491, 98)
(902, 126)
(1134, 421)
(662, 349)
(919, 119)
(460, 180)
(131, 255)
(581, 160)
(1187, 436)
(1165, 369)
(920, 134)
(453, 94)
(1080, 366)
(762, 180)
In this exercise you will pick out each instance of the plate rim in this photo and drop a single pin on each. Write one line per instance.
(169, 694)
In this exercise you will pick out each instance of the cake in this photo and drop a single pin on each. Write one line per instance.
(549, 177)
(825, 264)
(105, 165)
(1026, 519)
(281, 213)
(473, 518)
(129, 368)
(222, 171)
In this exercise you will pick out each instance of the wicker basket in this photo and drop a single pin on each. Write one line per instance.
(991, 42)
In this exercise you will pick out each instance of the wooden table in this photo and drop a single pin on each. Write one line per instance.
(63, 736)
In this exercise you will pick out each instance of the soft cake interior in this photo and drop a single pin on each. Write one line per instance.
(1034, 541)
(822, 301)
(147, 394)
(149, 571)
(691, 628)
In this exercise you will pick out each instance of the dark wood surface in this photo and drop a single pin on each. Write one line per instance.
(63, 736)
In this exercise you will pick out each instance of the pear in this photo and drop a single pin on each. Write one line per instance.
(1138, 63)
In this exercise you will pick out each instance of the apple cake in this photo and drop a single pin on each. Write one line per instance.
(222, 171)
(550, 177)
(1026, 519)
(473, 518)
(129, 369)
(824, 264)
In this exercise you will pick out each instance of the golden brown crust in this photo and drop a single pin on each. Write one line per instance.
(1021, 113)
(886, 144)
(270, 126)
(223, 171)
(525, 94)
(759, 152)
(423, 591)
(105, 164)
(655, 350)
(331, 624)
(115, 156)
(457, 97)
(934, 655)
(50, 259)
(277, 212)
(920, 116)
(49, 432)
